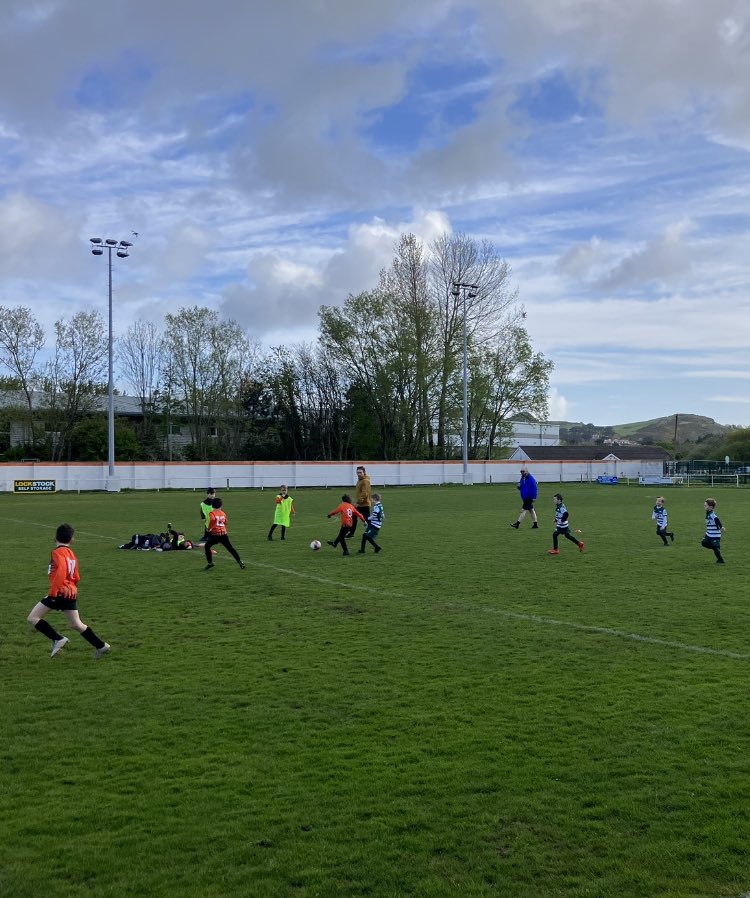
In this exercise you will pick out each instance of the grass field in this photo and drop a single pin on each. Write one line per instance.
(462, 715)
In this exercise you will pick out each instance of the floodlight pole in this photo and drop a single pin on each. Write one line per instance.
(122, 248)
(461, 288)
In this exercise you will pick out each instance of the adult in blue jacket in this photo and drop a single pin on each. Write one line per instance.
(528, 490)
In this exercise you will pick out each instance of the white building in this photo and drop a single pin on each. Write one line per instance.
(534, 434)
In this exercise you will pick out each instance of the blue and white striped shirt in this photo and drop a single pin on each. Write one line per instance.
(561, 517)
(713, 525)
(660, 515)
(377, 516)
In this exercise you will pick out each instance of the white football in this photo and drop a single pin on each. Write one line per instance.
(315, 545)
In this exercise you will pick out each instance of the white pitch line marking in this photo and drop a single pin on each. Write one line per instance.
(529, 618)
(54, 527)
(511, 615)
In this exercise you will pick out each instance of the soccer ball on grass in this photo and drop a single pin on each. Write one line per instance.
(315, 545)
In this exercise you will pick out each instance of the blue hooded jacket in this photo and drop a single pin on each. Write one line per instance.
(527, 487)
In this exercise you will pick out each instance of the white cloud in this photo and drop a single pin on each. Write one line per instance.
(284, 289)
(711, 372)
(234, 138)
(652, 56)
(580, 260)
(665, 260)
(559, 407)
(734, 400)
(673, 323)
(38, 239)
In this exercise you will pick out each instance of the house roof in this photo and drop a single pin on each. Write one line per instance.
(123, 405)
(593, 453)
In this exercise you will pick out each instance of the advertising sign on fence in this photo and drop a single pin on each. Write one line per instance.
(33, 486)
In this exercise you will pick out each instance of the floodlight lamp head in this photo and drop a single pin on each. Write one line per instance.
(125, 243)
(455, 292)
(95, 240)
(110, 242)
(122, 254)
(97, 251)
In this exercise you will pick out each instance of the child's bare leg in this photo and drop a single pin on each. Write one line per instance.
(74, 620)
(37, 613)
(37, 622)
(88, 634)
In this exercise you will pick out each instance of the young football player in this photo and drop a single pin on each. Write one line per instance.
(562, 526)
(714, 529)
(659, 514)
(206, 509)
(64, 577)
(374, 525)
(217, 535)
(283, 511)
(348, 513)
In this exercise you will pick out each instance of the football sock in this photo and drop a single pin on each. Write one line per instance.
(89, 635)
(46, 629)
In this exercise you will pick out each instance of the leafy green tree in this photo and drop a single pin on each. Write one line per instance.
(737, 445)
(89, 440)
(367, 337)
(402, 348)
(507, 379)
(415, 326)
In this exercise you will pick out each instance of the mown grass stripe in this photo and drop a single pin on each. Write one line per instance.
(517, 615)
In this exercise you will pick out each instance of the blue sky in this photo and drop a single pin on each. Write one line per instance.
(269, 155)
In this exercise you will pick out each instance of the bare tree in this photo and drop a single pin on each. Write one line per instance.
(458, 258)
(309, 391)
(75, 376)
(21, 339)
(236, 360)
(140, 356)
(207, 361)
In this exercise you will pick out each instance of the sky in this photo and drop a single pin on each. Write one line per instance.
(269, 155)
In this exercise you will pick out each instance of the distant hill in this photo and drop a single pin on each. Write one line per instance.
(690, 428)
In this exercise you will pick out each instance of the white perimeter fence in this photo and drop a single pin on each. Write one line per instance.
(84, 476)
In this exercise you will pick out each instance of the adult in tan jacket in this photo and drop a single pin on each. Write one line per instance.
(362, 499)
